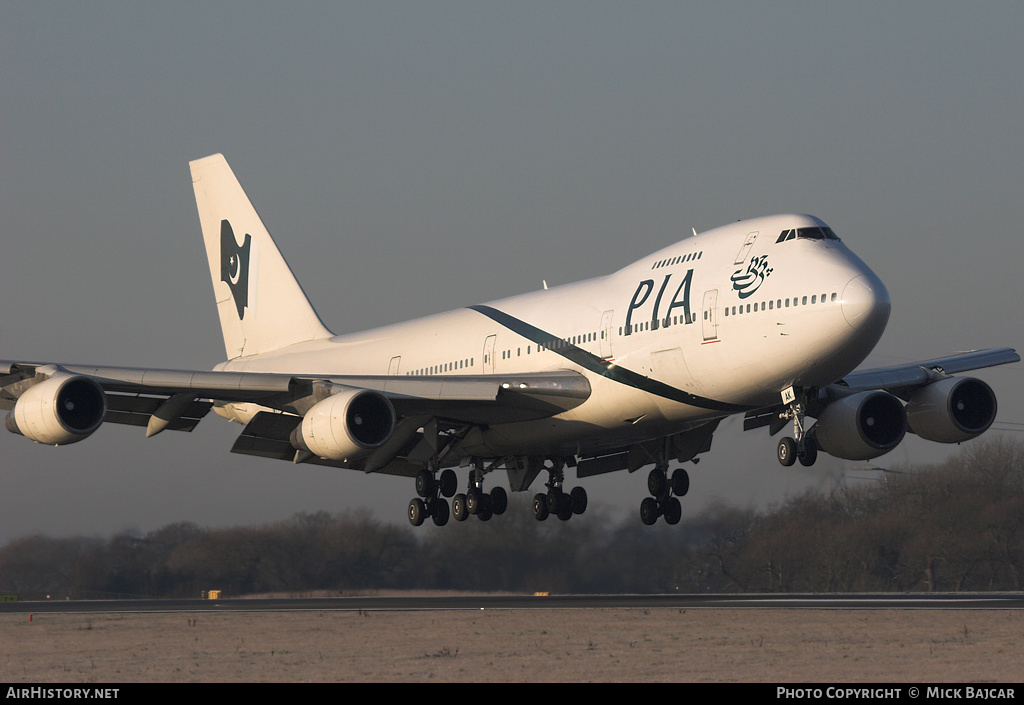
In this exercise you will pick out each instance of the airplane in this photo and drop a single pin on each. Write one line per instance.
(767, 317)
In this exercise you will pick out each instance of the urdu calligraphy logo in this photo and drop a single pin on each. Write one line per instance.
(746, 282)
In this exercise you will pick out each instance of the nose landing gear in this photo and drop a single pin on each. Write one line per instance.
(803, 447)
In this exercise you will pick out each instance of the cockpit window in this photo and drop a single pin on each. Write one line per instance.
(808, 234)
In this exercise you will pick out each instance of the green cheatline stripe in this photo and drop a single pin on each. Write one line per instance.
(589, 361)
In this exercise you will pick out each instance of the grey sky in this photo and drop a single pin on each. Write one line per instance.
(417, 157)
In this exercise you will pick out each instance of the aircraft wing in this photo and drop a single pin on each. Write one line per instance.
(915, 374)
(901, 380)
(471, 399)
(430, 411)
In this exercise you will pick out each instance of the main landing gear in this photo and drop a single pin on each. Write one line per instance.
(432, 491)
(665, 494)
(556, 501)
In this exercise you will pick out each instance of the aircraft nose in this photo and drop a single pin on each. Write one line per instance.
(866, 303)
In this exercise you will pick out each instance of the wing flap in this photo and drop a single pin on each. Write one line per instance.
(136, 410)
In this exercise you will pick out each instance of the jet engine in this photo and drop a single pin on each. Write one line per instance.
(861, 426)
(952, 410)
(62, 409)
(346, 425)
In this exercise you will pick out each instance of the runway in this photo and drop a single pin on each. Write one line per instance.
(876, 601)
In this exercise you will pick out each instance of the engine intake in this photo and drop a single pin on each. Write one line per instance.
(861, 426)
(60, 410)
(346, 425)
(952, 410)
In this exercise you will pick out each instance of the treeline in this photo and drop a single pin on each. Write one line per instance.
(954, 527)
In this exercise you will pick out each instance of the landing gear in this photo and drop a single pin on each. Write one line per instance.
(459, 511)
(665, 490)
(672, 511)
(810, 453)
(431, 502)
(540, 507)
(680, 482)
(558, 502)
(435, 508)
(786, 452)
(449, 482)
(803, 447)
(417, 511)
(665, 494)
(649, 511)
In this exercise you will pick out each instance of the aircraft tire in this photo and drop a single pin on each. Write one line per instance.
(449, 483)
(649, 511)
(540, 507)
(441, 512)
(474, 501)
(673, 510)
(656, 482)
(417, 511)
(459, 511)
(555, 500)
(680, 482)
(809, 455)
(578, 500)
(424, 484)
(499, 500)
(786, 452)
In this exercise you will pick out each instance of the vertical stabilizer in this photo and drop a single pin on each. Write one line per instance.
(260, 303)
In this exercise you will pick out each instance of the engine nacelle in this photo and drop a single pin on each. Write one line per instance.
(861, 426)
(952, 410)
(346, 425)
(62, 409)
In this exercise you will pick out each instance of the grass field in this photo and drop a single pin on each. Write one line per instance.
(821, 646)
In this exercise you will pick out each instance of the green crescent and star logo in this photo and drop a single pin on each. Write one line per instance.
(234, 266)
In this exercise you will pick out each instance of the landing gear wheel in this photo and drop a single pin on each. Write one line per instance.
(459, 510)
(440, 512)
(809, 455)
(564, 510)
(474, 501)
(555, 501)
(578, 500)
(540, 507)
(417, 511)
(786, 451)
(499, 500)
(484, 513)
(672, 511)
(424, 483)
(649, 511)
(680, 482)
(449, 483)
(656, 482)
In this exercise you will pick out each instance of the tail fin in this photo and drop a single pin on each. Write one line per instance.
(261, 305)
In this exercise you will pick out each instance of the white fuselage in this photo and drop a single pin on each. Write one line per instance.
(713, 325)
